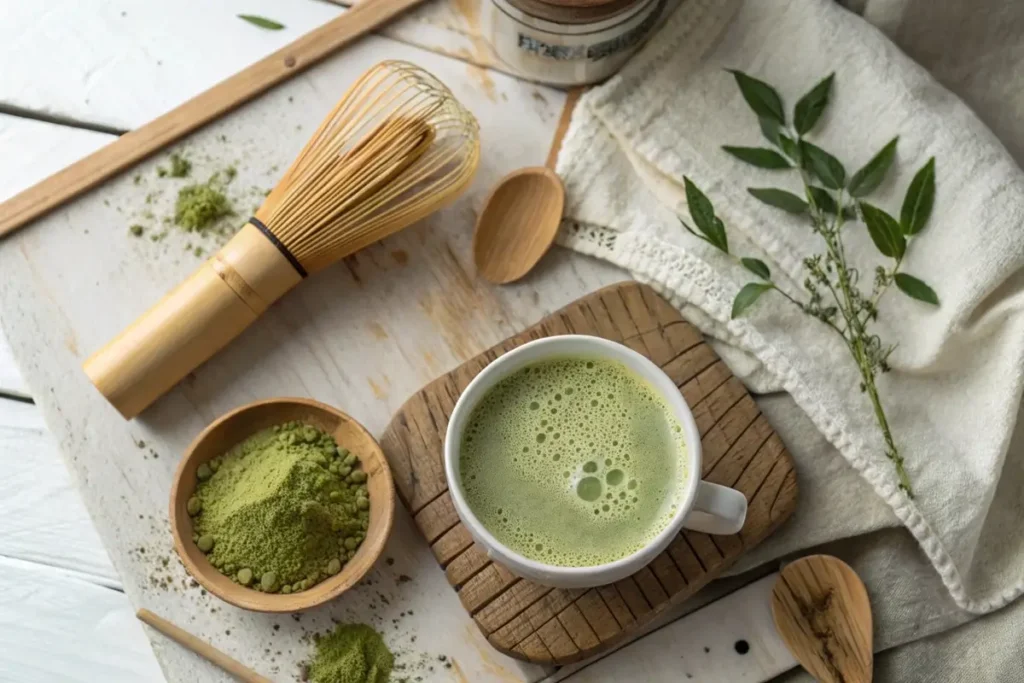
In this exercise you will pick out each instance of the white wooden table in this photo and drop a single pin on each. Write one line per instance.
(78, 72)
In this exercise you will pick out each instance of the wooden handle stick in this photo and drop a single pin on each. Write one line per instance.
(133, 147)
(201, 648)
(571, 98)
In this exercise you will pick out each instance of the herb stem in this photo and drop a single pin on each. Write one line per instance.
(856, 327)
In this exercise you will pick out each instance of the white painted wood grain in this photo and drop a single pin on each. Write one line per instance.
(55, 626)
(11, 381)
(700, 647)
(31, 150)
(42, 518)
(121, 63)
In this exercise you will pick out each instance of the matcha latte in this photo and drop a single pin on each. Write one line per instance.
(573, 462)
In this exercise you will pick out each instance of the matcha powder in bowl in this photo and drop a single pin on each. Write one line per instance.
(282, 510)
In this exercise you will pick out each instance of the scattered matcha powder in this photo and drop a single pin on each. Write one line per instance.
(199, 206)
(352, 653)
(287, 504)
(136, 230)
(180, 166)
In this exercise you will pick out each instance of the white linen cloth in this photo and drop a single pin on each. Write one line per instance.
(953, 395)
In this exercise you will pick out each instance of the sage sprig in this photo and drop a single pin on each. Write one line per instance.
(831, 198)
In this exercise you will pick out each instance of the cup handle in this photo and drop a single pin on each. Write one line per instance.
(717, 510)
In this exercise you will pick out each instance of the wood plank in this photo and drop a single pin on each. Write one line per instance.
(451, 544)
(56, 626)
(533, 617)
(437, 518)
(598, 616)
(44, 520)
(557, 641)
(633, 597)
(577, 627)
(653, 591)
(11, 381)
(534, 649)
(668, 574)
(617, 605)
(510, 604)
(467, 565)
(139, 46)
(483, 588)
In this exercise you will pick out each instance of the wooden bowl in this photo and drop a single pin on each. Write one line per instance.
(234, 428)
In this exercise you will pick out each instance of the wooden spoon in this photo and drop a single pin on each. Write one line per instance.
(521, 217)
(822, 612)
(518, 224)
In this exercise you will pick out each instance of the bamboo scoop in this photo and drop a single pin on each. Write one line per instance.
(521, 217)
(201, 648)
(822, 612)
(396, 148)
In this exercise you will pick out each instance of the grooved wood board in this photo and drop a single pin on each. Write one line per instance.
(548, 625)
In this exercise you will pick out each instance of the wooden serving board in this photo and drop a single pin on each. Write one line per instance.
(547, 625)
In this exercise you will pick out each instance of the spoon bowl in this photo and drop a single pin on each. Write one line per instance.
(821, 610)
(518, 224)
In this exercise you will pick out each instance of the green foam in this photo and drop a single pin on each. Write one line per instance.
(573, 462)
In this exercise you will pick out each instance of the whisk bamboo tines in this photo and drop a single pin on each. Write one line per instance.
(396, 148)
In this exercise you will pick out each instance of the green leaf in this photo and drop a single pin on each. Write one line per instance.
(757, 267)
(808, 110)
(718, 236)
(262, 22)
(780, 199)
(703, 214)
(824, 165)
(747, 296)
(823, 199)
(761, 97)
(917, 205)
(758, 156)
(884, 230)
(825, 202)
(916, 289)
(789, 147)
(873, 173)
(769, 129)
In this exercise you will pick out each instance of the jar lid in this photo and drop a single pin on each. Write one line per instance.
(574, 11)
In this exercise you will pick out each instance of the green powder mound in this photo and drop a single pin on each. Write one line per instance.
(200, 206)
(352, 653)
(282, 510)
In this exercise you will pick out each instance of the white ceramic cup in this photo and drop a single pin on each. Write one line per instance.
(703, 506)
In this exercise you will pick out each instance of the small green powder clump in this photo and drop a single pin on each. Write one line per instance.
(180, 166)
(199, 206)
(284, 509)
(352, 653)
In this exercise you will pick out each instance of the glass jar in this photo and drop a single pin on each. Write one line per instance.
(570, 42)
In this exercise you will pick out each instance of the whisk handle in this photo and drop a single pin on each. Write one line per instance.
(192, 322)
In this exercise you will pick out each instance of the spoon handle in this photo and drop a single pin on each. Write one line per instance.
(201, 648)
(571, 98)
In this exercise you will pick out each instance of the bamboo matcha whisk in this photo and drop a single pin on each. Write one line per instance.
(396, 148)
